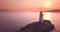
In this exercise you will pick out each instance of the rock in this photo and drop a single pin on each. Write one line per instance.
(46, 26)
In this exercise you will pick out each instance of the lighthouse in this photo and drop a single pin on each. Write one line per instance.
(41, 17)
(41, 26)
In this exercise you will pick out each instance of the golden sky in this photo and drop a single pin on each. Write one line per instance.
(29, 4)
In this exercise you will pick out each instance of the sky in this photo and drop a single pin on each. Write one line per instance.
(29, 5)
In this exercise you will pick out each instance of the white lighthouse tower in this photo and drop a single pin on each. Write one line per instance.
(41, 17)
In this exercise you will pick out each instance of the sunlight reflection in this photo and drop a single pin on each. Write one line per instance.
(47, 16)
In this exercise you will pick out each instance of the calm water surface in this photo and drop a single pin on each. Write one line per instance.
(12, 21)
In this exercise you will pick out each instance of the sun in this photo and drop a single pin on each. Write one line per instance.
(48, 4)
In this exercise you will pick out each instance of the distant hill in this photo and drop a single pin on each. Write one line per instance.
(54, 10)
(4, 10)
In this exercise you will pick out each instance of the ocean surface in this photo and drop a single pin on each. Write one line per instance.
(13, 21)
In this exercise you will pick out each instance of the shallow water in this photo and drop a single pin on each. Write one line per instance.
(12, 21)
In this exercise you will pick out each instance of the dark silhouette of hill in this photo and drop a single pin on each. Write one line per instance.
(54, 10)
(4, 10)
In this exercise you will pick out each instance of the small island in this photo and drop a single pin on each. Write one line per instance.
(40, 26)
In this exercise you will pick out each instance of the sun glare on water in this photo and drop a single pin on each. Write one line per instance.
(47, 16)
